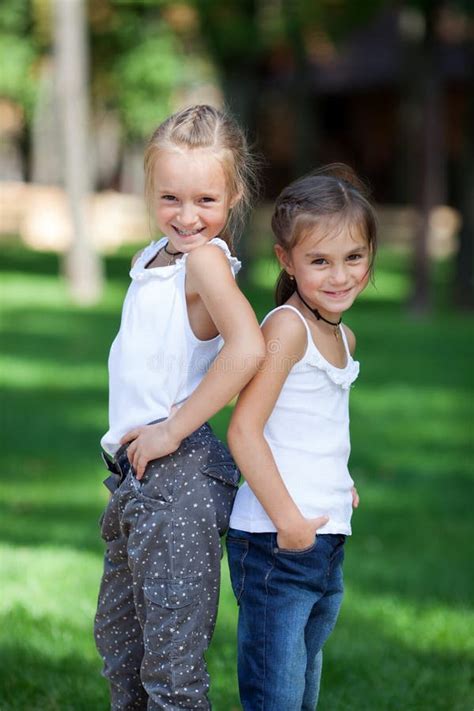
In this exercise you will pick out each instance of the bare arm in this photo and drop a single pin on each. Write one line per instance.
(286, 341)
(208, 274)
(243, 347)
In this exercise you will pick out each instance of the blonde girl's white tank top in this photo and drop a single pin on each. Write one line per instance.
(155, 361)
(308, 434)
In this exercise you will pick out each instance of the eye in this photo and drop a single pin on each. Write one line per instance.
(207, 199)
(354, 257)
(319, 261)
(168, 198)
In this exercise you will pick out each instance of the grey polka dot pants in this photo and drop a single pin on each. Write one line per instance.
(160, 588)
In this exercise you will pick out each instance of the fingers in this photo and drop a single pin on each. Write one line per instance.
(319, 522)
(140, 467)
(132, 434)
(131, 450)
(136, 459)
(355, 498)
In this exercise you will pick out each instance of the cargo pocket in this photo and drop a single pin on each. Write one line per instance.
(222, 481)
(224, 471)
(171, 614)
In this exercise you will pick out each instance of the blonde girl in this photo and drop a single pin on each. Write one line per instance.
(290, 437)
(188, 342)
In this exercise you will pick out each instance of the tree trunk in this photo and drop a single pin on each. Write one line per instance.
(82, 265)
(46, 163)
(432, 161)
(464, 270)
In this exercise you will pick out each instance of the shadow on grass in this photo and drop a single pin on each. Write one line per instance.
(31, 680)
(411, 460)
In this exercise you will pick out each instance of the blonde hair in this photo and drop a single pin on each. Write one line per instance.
(204, 126)
(331, 198)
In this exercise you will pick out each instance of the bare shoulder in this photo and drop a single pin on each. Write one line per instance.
(284, 332)
(351, 339)
(136, 256)
(208, 270)
(205, 257)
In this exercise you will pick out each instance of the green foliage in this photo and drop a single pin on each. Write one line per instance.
(404, 639)
(18, 53)
(148, 75)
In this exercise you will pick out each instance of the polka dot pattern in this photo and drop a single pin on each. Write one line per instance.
(160, 588)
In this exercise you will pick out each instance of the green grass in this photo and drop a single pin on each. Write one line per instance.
(405, 638)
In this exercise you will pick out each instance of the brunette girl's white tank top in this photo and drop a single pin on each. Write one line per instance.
(155, 361)
(308, 433)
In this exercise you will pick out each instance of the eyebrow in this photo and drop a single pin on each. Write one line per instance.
(319, 255)
(209, 193)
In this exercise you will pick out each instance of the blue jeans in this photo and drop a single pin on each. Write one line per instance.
(288, 605)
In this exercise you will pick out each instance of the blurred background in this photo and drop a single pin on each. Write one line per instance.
(387, 87)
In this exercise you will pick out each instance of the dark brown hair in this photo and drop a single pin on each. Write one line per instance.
(204, 126)
(328, 199)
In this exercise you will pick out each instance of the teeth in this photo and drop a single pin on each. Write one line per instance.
(187, 233)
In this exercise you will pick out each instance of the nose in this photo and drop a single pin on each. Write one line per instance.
(187, 215)
(339, 274)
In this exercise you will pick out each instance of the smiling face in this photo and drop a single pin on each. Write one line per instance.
(330, 270)
(191, 197)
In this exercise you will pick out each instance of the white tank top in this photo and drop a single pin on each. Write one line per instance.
(308, 433)
(155, 361)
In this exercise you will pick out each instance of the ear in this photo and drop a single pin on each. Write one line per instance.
(235, 199)
(284, 259)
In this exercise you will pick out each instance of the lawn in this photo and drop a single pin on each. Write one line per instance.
(405, 637)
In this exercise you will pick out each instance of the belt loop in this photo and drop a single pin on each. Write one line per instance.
(109, 463)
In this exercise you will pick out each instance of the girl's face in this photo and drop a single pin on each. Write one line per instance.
(191, 198)
(330, 271)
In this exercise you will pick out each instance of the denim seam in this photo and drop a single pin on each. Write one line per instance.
(242, 561)
(265, 628)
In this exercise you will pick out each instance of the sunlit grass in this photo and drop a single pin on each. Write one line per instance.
(405, 636)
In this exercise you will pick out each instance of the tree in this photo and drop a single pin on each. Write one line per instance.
(82, 264)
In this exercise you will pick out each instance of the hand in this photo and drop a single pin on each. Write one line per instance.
(147, 443)
(355, 498)
(301, 536)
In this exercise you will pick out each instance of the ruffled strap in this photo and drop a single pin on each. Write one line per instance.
(344, 377)
(139, 271)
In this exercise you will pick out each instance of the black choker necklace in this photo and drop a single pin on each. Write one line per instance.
(315, 312)
(172, 254)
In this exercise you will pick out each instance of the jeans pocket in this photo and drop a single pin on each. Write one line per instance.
(237, 550)
(295, 551)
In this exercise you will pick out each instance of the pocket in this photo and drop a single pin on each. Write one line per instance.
(219, 464)
(295, 551)
(172, 593)
(171, 616)
(237, 550)
(149, 490)
(226, 472)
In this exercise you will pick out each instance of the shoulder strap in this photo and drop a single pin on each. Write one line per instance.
(300, 316)
(344, 340)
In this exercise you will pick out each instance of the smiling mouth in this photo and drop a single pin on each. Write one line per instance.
(338, 294)
(187, 233)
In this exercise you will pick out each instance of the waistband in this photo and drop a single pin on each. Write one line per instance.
(119, 463)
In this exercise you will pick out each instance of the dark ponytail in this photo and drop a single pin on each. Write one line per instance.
(284, 288)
